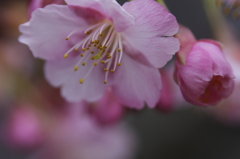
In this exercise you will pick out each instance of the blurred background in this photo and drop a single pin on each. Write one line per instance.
(187, 133)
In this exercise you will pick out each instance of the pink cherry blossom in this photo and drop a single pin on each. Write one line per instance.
(35, 4)
(107, 110)
(121, 47)
(23, 129)
(203, 73)
(76, 135)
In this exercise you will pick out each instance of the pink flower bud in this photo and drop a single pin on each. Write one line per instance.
(205, 77)
(24, 129)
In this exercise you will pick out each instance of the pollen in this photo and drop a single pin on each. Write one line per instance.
(101, 34)
(103, 62)
(112, 71)
(105, 69)
(95, 64)
(65, 56)
(81, 81)
(81, 55)
(67, 38)
(119, 50)
(105, 82)
(88, 32)
(76, 50)
(75, 68)
(93, 58)
(92, 52)
(83, 49)
(89, 45)
(83, 63)
(119, 64)
(109, 57)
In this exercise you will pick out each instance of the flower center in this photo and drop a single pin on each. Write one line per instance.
(102, 44)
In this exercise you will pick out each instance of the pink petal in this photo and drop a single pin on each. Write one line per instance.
(136, 84)
(110, 9)
(151, 31)
(151, 19)
(156, 50)
(35, 4)
(46, 31)
(61, 73)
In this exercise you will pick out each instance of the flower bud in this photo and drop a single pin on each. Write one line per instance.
(205, 77)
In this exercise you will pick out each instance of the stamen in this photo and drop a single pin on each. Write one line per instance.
(65, 55)
(120, 49)
(81, 81)
(81, 55)
(75, 68)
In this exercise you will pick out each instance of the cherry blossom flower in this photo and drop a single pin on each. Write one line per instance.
(75, 134)
(107, 110)
(23, 129)
(91, 44)
(203, 73)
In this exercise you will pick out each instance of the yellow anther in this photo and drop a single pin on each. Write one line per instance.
(112, 71)
(107, 54)
(109, 57)
(105, 47)
(89, 45)
(103, 62)
(119, 50)
(83, 49)
(100, 48)
(105, 69)
(92, 42)
(119, 64)
(92, 52)
(81, 81)
(96, 41)
(65, 55)
(87, 48)
(105, 82)
(81, 55)
(88, 32)
(83, 63)
(76, 50)
(95, 45)
(101, 34)
(75, 68)
(95, 64)
(66, 38)
(93, 58)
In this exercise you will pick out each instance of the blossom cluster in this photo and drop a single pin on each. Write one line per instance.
(102, 60)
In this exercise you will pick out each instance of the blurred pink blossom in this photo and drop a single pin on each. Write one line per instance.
(203, 73)
(107, 110)
(122, 47)
(24, 129)
(75, 135)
